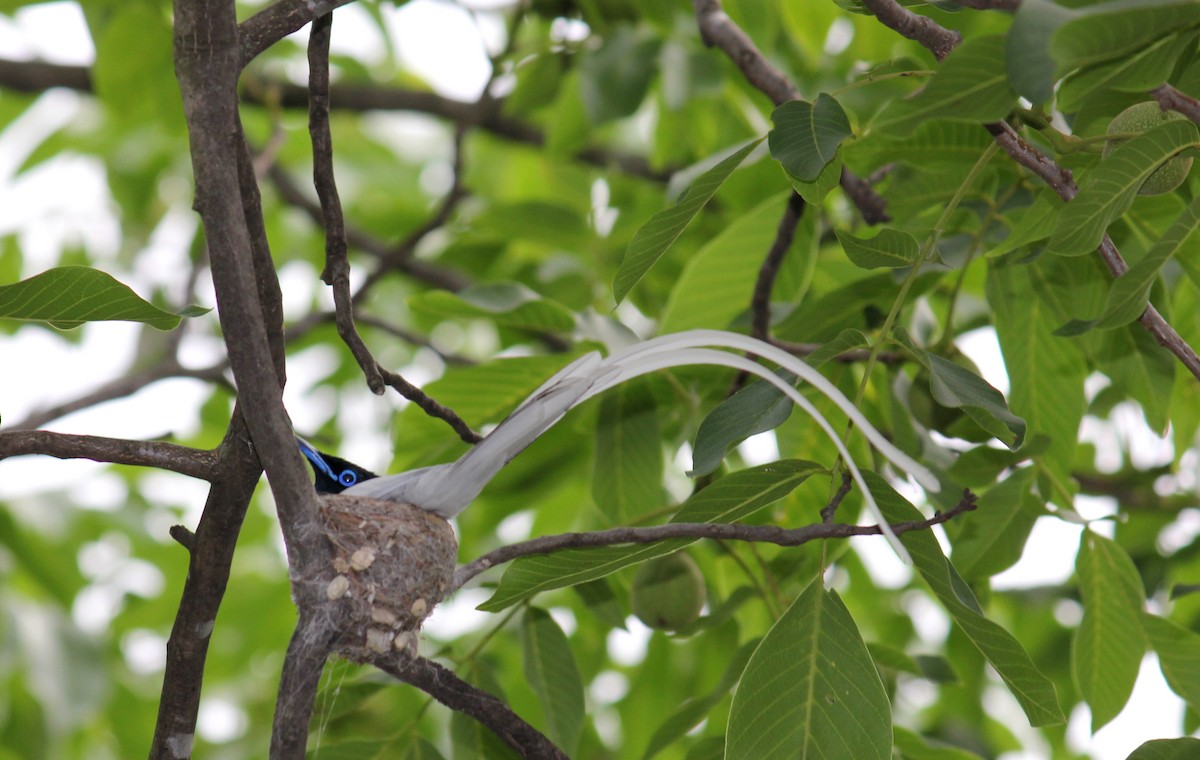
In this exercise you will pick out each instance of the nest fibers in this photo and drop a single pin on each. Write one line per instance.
(392, 563)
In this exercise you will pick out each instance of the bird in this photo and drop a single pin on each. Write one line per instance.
(333, 474)
(448, 489)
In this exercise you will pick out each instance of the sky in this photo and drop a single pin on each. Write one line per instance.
(448, 47)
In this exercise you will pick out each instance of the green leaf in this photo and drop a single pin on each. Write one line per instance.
(615, 77)
(830, 177)
(959, 388)
(1108, 190)
(688, 715)
(846, 340)
(912, 746)
(993, 539)
(1027, 58)
(933, 143)
(889, 249)
(718, 281)
(1178, 651)
(551, 672)
(1109, 643)
(1140, 368)
(969, 86)
(509, 304)
(1141, 71)
(1184, 748)
(600, 599)
(807, 135)
(653, 238)
(1033, 691)
(1112, 30)
(811, 689)
(66, 297)
(754, 409)
(1130, 293)
(731, 498)
(1049, 396)
(137, 89)
(629, 463)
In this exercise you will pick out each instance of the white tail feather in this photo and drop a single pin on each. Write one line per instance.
(449, 488)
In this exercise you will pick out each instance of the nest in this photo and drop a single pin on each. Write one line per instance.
(392, 564)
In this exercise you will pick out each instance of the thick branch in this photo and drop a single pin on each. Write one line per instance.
(210, 555)
(207, 64)
(165, 456)
(446, 687)
(310, 646)
(718, 30)
(771, 534)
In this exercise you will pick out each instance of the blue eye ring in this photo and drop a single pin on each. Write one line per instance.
(348, 477)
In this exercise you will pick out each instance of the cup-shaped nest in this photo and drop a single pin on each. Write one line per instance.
(392, 563)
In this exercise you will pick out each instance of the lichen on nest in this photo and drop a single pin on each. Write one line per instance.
(391, 565)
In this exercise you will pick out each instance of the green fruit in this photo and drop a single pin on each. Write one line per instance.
(668, 592)
(1137, 119)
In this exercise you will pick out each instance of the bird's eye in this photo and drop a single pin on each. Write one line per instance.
(348, 477)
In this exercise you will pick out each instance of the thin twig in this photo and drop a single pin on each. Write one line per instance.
(760, 302)
(122, 387)
(445, 686)
(431, 406)
(829, 511)
(1170, 98)
(419, 269)
(771, 534)
(403, 252)
(337, 265)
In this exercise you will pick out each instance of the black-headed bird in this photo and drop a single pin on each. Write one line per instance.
(447, 489)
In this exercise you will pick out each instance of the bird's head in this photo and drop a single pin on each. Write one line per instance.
(333, 474)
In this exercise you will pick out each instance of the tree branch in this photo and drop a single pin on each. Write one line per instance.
(990, 5)
(310, 646)
(771, 534)
(122, 387)
(933, 36)
(337, 266)
(276, 21)
(184, 460)
(1170, 98)
(446, 687)
(427, 272)
(210, 556)
(760, 302)
(718, 30)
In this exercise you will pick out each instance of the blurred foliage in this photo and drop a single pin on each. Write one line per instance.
(605, 113)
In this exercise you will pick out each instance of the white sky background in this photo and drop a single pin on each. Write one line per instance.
(445, 45)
